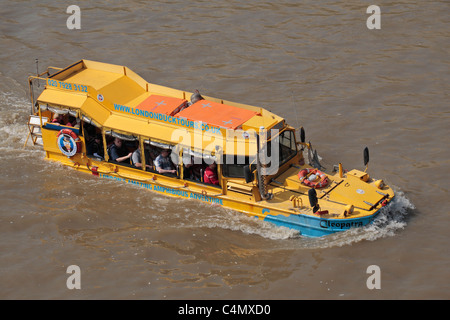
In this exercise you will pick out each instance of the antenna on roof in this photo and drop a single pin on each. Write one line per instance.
(295, 109)
(37, 69)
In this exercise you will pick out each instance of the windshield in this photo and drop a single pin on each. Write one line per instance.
(288, 147)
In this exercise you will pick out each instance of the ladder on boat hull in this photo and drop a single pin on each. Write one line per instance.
(34, 130)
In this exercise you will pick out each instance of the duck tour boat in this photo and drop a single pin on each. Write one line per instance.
(106, 120)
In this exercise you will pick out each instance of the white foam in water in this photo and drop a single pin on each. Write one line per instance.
(203, 215)
(236, 221)
(388, 222)
(390, 219)
(13, 117)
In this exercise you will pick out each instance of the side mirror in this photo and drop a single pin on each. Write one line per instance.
(366, 156)
(302, 135)
(248, 174)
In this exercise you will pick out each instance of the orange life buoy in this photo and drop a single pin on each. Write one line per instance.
(305, 173)
(68, 132)
(68, 142)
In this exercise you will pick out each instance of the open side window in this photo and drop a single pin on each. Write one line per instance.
(120, 147)
(161, 158)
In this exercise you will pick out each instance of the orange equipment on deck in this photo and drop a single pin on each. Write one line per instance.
(162, 104)
(217, 114)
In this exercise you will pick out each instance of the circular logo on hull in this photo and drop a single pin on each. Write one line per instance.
(67, 145)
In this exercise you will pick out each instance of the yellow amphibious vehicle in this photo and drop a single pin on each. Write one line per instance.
(106, 120)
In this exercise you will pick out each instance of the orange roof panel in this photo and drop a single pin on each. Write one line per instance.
(162, 104)
(220, 115)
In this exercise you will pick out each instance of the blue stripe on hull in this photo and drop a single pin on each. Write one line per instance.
(311, 226)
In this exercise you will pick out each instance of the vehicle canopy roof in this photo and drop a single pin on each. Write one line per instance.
(116, 99)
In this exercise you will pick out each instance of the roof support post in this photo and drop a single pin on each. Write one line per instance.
(105, 147)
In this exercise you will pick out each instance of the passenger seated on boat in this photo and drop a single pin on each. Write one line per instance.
(89, 131)
(196, 96)
(60, 119)
(118, 152)
(64, 120)
(136, 158)
(153, 154)
(192, 170)
(73, 122)
(163, 163)
(210, 175)
(95, 147)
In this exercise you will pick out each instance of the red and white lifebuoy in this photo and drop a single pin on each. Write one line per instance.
(321, 182)
(68, 142)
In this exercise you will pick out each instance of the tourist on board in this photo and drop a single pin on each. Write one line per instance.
(136, 158)
(59, 119)
(153, 152)
(95, 147)
(192, 169)
(196, 96)
(73, 122)
(163, 163)
(118, 152)
(210, 175)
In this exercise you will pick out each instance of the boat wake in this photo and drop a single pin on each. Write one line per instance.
(184, 213)
(13, 116)
(252, 226)
(389, 221)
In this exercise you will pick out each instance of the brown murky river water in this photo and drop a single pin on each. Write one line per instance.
(313, 62)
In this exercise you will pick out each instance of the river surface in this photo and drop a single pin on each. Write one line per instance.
(315, 63)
